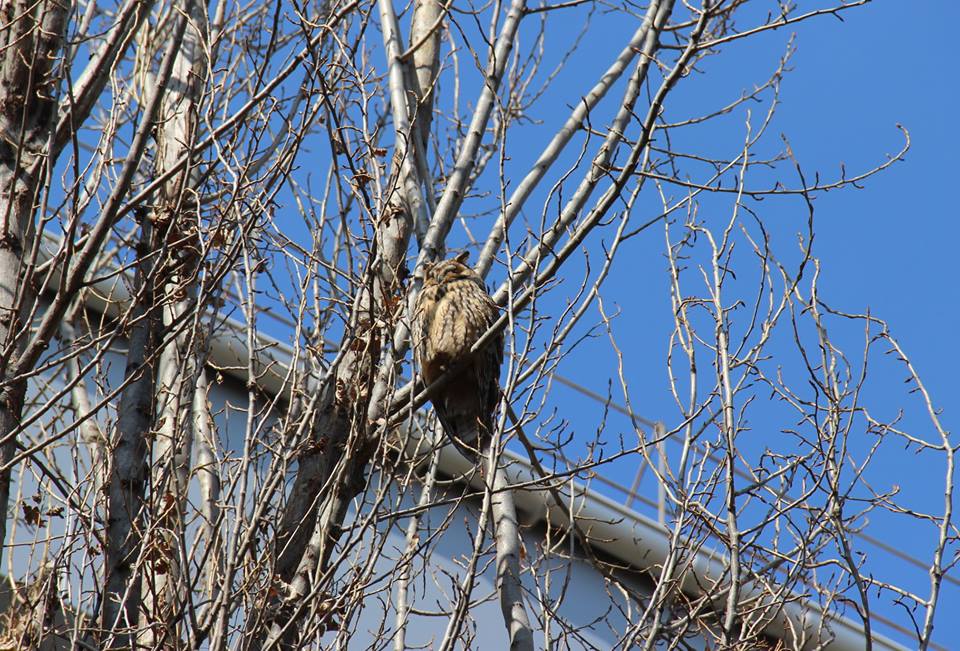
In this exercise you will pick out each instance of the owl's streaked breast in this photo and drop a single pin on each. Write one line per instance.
(456, 324)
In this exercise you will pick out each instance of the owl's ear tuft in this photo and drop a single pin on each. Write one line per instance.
(463, 257)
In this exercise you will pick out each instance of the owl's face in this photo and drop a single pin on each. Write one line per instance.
(448, 271)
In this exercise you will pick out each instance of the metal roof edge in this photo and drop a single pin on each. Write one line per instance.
(642, 542)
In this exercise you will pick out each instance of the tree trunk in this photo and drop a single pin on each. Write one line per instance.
(30, 45)
(128, 471)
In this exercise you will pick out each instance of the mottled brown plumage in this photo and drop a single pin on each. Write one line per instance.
(453, 311)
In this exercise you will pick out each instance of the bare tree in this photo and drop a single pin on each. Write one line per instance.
(215, 224)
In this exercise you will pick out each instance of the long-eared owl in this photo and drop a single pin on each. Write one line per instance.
(453, 310)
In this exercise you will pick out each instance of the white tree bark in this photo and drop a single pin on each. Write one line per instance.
(507, 535)
(177, 215)
(208, 477)
(126, 603)
(128, 469)
(30, 46)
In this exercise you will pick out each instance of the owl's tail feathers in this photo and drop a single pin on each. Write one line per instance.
(468, 433)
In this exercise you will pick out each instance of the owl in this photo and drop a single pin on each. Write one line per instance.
(452, 312)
